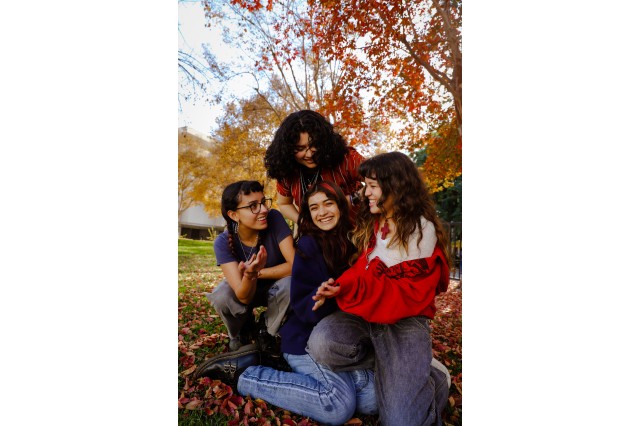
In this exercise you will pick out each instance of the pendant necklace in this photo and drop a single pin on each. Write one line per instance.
(305, 184)
(246, 258)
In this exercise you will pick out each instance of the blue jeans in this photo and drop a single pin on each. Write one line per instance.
(312, 390)
(407, 391)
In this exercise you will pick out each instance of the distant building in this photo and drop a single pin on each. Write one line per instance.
(195, 223)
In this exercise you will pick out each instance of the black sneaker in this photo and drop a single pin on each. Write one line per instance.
(227, 367)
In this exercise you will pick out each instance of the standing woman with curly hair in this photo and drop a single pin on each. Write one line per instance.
(388, 295)
(306, 150)
(255, 254)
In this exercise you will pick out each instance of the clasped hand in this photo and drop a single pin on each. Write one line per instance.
(252, 267)
(327, 289)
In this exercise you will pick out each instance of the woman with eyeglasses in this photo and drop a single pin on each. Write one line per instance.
(310, 389)
(255, 254)
(306, 150)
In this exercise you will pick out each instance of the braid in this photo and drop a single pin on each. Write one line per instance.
(231, 245)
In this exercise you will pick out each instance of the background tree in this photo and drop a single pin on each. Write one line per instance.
(196, 78)
(239, 144)
(408, 54)
(390, 69)
(194, 169)
(285, 67)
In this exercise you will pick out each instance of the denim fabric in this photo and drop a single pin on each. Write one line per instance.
(235, 314)
(278, 298)
(312, 390)
(405, 386)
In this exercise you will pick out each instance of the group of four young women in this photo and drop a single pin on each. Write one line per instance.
(350, 302)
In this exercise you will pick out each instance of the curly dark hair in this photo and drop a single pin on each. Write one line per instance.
(331, 146)
(231, 196)
(397, 175)
(335, 244)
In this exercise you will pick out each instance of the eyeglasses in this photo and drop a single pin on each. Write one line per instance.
(255, 206)
(304, 148)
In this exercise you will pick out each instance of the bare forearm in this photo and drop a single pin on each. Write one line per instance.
(247, 289)
(289, 211)
(276, 272)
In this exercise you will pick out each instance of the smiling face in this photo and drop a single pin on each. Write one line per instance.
(244, 216)
(373, 192)
(304, 152)
(325, 213)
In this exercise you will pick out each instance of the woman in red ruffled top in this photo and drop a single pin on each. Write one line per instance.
(388, 295)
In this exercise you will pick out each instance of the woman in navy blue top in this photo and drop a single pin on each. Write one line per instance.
(322, 252)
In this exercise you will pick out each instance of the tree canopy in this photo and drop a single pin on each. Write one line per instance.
(385, 73)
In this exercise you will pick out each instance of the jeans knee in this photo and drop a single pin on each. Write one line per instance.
(318, 351)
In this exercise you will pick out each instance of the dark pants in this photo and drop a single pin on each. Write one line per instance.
(407, 392)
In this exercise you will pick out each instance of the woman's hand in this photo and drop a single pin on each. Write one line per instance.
(251, 269)
(327, 289)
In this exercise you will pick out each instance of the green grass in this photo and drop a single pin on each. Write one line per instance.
(195, 247)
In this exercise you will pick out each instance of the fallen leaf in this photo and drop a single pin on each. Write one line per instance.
(188, 371)
(193, 404)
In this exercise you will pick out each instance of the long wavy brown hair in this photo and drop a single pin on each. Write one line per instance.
(399, 177)
(335, 244)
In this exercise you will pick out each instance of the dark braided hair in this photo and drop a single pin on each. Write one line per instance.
(231, 196)
(335, 244)
(331, 146)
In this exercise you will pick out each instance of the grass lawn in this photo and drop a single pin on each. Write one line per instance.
(201, 334)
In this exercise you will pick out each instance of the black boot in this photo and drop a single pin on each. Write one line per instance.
(227, 367)
(270, 348)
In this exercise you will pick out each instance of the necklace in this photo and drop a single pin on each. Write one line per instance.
(246, 258)
(306, 184)
(385, 229)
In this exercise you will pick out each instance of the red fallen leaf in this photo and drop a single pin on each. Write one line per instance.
(288, 422)
(193, 404)
(180, 405)
(236, 399)
(354, 421)
(248, 407)
(186, 330)
(183, 400)
(205, 381)
(220, 391)
(209, 411)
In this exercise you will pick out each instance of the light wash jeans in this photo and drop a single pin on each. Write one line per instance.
(235, 314)
(408, 391)
(312, 390)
